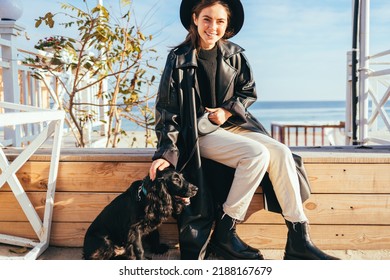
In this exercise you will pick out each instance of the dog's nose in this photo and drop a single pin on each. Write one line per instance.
(194, 188)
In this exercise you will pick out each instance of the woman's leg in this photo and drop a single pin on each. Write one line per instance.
(250, 160)
(283, 175)
(284, 178)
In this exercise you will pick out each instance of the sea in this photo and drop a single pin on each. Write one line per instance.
(289, 111)
(298, 111)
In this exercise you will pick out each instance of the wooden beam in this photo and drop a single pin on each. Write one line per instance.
(349, 209)
(327, 237)
(117, 176)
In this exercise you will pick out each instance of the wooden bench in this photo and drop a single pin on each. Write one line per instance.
(349, 207)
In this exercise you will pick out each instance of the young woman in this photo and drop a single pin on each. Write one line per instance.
(208, 73)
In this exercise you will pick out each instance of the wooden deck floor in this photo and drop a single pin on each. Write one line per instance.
(75, 253)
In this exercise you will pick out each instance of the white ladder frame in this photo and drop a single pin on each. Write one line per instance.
(54, 120)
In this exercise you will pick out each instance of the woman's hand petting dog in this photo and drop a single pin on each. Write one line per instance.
(158, 164)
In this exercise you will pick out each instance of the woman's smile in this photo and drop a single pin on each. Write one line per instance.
(211, 23)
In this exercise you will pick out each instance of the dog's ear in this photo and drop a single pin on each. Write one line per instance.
(159, 175)
(147, 181)
(165, 171)
(159, 202)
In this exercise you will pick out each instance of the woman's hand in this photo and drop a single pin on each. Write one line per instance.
(159, 164)
(218, 115)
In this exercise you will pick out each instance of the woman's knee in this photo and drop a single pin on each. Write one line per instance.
(260, 153)
(281, 152)
(284, 150)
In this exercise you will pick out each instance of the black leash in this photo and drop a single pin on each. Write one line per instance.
(191, 154)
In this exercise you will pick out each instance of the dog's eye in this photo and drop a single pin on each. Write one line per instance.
(177, 180)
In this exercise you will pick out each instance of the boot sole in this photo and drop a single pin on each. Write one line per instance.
(297, 258)
(289, 258)
(222, 253)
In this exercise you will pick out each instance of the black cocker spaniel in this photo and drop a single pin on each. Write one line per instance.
(118, 231)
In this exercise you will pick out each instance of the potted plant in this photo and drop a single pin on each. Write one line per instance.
(52, 43)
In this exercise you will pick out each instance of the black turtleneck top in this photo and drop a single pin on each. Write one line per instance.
(206, 72)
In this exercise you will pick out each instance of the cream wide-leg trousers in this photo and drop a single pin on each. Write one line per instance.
(252, 154)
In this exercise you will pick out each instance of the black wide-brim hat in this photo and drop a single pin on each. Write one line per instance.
(236, 19)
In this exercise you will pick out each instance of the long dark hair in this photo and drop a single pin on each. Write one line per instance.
(193, 37)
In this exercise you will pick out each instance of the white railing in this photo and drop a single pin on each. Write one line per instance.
(373, 89)
(18, 86)
(32, 93)
(378, 121)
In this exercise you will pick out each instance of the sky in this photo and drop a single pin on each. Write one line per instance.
(297, 49)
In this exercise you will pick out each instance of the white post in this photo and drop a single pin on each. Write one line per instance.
(363, 70)
(103, 110)
(9, 30)
(349, 102)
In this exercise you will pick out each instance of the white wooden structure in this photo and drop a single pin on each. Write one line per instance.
(373, 87)
(53, 122)
(18, 85)
(41, 124)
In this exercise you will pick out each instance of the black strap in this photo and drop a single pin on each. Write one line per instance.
(191, 154)
(191, 103)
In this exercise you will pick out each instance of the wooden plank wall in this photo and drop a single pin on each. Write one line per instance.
(349, 207)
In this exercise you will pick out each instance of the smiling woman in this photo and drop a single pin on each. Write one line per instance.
(212, 23)
(209, 74)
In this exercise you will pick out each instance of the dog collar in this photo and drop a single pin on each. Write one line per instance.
(143, 190)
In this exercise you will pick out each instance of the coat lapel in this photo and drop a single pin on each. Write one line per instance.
(187, 59)
(225, 85)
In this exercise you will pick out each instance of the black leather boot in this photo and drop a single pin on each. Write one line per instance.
(226, 243)
(299, 245)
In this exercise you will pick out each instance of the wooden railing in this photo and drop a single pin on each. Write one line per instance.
(308, 133)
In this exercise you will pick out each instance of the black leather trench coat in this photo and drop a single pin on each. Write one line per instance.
(176, 130)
